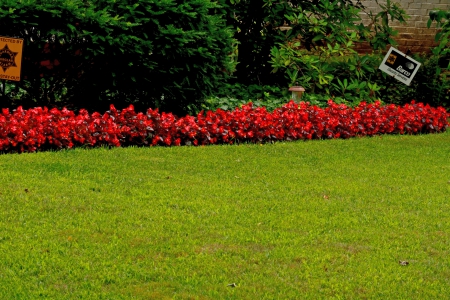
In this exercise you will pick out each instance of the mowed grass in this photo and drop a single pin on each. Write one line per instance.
(301, 220)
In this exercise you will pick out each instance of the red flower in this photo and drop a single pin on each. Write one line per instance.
(39, 128)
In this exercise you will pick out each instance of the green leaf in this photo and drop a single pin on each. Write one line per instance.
(318, 37)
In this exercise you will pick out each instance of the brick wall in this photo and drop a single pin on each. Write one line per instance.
(414, 35)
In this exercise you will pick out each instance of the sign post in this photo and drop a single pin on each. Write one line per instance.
(400, 66)
(10, 60)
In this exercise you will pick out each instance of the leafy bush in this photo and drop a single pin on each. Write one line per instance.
(442, 19)
(356, 78)
(317, 52)
(231, 96)
(441, 80)
(252, 91)
(81, 53)
(429, 86)
(431, 83)
(262, 25)
(329, 64)
(40, 128)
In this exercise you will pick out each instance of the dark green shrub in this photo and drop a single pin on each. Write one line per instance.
(55, 52)
(168, 54)
(253, 91)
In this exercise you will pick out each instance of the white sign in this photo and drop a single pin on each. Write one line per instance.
(400, 66)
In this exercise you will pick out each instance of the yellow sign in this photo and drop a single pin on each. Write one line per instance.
(10, 58)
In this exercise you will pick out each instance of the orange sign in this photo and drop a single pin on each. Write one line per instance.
(10, 58)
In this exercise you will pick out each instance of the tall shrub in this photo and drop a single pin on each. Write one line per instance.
(169, 54)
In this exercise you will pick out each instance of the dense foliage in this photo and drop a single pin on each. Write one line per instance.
(262, 25)
(431, 84)
(442, 19)
(40, 128)
(91, 53)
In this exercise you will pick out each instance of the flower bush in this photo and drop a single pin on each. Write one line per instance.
(42, 128)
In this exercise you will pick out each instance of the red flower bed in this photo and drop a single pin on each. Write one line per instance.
(40, 128)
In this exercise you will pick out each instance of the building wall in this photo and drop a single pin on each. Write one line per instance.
(414, 35)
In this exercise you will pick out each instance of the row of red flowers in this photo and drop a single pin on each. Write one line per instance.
(40, 128)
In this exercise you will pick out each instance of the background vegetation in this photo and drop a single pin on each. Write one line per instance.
(204, 54)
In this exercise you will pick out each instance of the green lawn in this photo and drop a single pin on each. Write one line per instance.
(301, 220)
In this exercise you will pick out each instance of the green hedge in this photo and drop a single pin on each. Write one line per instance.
(169, 54)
